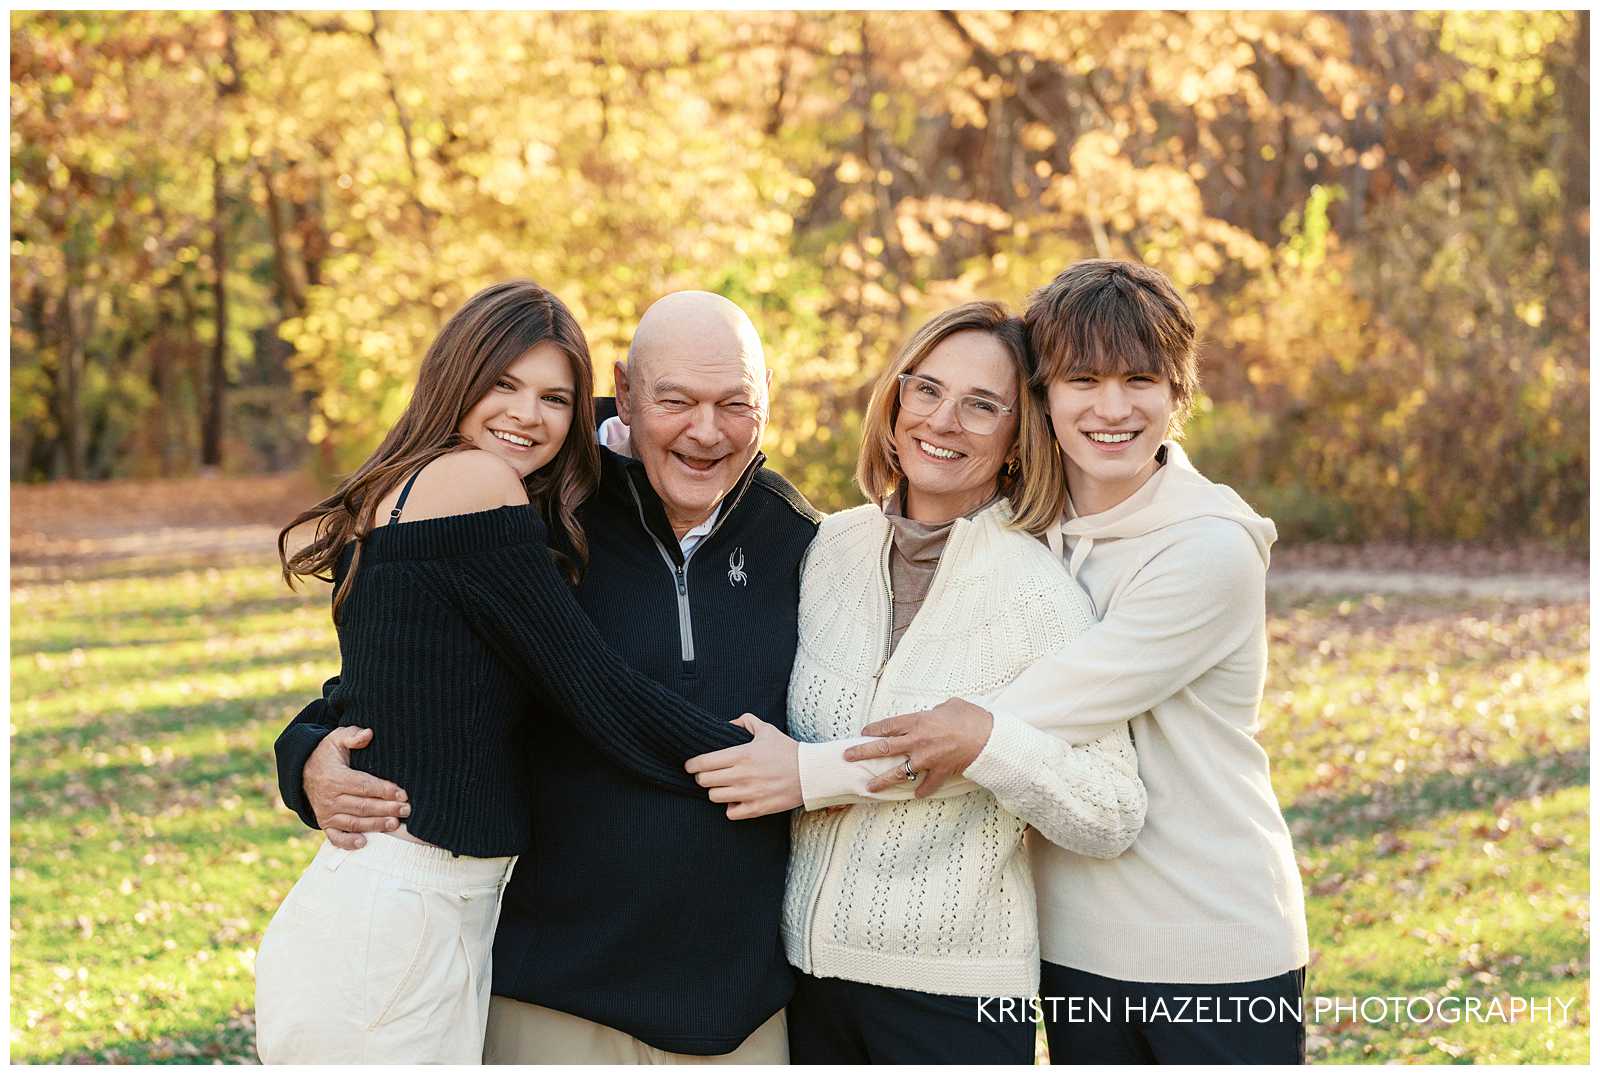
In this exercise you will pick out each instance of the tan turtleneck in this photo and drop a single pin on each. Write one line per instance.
(914, 558)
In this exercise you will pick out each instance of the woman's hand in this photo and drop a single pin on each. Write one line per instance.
(755, 779)
(938, 743)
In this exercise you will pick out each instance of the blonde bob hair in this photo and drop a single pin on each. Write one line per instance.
(1038, 489)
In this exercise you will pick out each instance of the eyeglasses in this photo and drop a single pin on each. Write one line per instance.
(978, 415)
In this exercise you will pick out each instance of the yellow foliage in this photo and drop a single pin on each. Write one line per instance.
(841, 175)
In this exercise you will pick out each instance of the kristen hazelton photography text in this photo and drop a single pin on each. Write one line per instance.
(1205, 1009)
(254, 253)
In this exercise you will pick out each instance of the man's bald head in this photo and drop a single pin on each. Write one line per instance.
(694, 325)
(693, 393)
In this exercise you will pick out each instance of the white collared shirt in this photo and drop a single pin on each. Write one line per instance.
(614, 435)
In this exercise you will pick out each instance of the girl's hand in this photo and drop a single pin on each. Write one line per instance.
(755, 779)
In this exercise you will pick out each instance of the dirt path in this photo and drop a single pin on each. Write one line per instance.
(1524, 587)
(1522, 572)
(70, 529)
(87, 529)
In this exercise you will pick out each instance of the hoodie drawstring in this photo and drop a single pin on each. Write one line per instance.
(1080, 553)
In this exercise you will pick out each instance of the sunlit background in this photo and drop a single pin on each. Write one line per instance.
(233, 235)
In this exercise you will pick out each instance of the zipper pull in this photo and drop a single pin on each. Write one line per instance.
(683, 585)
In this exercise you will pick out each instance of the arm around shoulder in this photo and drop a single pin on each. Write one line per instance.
(517, 602)
(1188, 608)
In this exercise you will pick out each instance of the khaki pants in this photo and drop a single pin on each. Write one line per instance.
(521, 1033)
(380, 956)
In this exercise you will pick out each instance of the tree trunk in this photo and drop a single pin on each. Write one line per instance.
(76, 316)
(291, 296)
(26, 441)
(1575, 103)
(212, 405)
(305, 222)
(160, 363)
(216, 375)
(424, 214)
(110, 450)
(895, 258)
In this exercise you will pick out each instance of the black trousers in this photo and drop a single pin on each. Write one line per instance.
(832, 1021)
(1093, 1020)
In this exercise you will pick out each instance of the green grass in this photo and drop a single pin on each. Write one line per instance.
(1432, 757)
(148, 847)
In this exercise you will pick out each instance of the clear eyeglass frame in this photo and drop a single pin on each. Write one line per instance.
(978, 415)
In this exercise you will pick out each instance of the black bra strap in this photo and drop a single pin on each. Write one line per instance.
(394, 514)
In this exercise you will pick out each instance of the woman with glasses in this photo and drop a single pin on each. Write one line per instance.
(911, 920)
(1207, 905)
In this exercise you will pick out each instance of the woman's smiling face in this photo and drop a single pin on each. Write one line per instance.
(948, 470)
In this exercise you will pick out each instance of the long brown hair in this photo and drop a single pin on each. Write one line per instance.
(1037, 490)
(496, 327)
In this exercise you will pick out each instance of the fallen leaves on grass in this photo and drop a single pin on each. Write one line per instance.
(1431, 755)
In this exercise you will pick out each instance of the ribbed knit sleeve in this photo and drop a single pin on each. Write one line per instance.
(506, 586)
(294, 747)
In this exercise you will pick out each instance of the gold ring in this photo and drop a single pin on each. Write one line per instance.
(911, 774)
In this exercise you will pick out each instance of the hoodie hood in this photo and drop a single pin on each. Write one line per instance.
(1175, 493)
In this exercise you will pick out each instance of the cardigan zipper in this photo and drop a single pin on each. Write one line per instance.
(888, 597)
(833, 837)
(872, 696)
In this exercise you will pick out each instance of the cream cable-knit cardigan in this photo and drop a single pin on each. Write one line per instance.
(936, 894)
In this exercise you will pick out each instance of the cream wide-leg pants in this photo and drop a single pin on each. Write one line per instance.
(380, 955)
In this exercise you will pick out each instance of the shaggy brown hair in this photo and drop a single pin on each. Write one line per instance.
(1114, 317)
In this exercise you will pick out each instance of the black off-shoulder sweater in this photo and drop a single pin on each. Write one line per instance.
(457, 635)
(639, 905)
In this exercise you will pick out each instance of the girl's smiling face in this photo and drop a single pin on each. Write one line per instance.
(525, 415)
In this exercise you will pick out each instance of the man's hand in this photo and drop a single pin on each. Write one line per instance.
(939, 743)
(757, 778)
(346, 802)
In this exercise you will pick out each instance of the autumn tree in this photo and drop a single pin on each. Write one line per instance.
(234, 233)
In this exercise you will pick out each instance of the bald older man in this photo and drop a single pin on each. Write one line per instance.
(641, 926)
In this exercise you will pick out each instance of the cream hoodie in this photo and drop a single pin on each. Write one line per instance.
(1209, 892)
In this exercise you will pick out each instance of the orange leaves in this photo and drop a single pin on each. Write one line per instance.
(843, 174)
